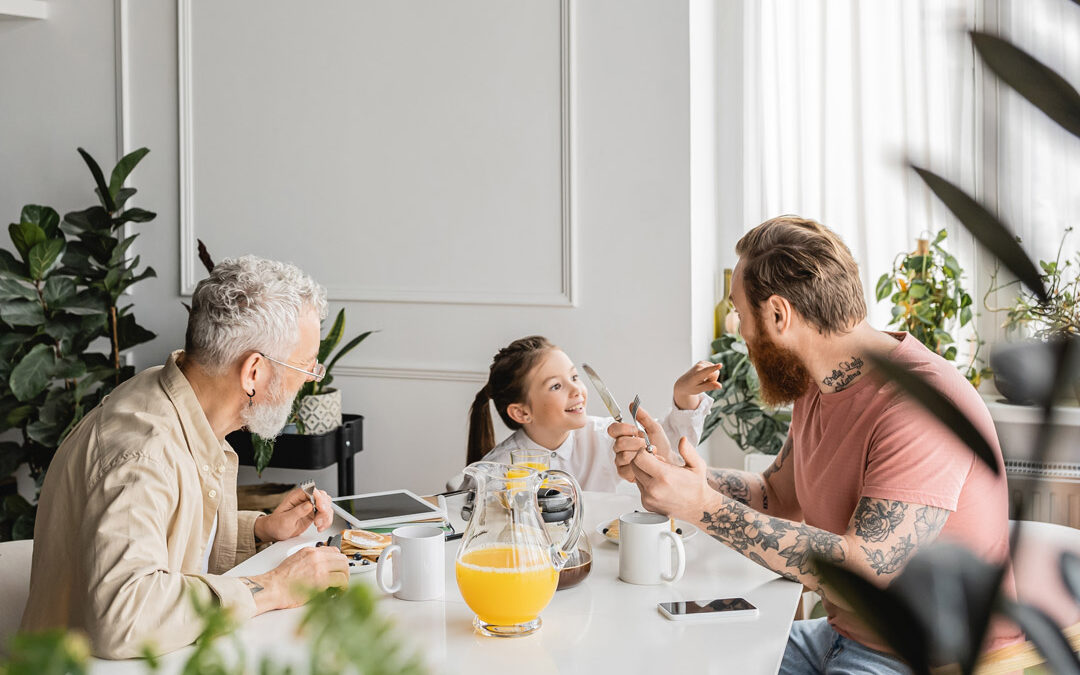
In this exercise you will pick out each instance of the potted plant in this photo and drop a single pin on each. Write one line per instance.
(929, 301)
(59, 295)
(1028, 317)
(738, 410)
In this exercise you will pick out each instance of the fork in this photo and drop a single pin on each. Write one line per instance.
(633, 415)
(308, 487)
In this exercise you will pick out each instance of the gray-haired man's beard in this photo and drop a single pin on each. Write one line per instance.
(267, 419)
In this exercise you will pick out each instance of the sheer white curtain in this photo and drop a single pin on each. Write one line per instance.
(838, 94)
(1038, 161)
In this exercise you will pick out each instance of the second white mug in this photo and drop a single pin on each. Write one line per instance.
(419, 563)
(645, 544)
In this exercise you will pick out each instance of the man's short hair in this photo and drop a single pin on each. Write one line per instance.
(804, 262)
(249, 304)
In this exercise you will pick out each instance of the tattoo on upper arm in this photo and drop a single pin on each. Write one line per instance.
(929, 522)
(875, 519)
(844, 374)
(252, 586)
(780, 459)
(764, 494)
(888, 563)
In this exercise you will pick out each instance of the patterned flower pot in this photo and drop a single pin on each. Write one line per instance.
(320, 413)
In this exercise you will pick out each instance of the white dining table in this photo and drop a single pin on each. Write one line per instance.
(601, 625)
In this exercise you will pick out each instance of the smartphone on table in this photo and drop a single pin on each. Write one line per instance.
(720, 608)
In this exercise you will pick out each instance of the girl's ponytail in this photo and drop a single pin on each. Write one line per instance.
(481, 430)
(507, 384)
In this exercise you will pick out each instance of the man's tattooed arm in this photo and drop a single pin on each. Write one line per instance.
(742, 486)
(881, 538)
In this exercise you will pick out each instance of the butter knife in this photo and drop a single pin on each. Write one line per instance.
(605, 395)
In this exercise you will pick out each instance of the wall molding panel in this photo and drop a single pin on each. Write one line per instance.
(548, 275)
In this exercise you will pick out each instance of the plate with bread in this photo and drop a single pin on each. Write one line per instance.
(610, 530)
(362, 547)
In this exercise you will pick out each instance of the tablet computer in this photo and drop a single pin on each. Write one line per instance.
(385, 508)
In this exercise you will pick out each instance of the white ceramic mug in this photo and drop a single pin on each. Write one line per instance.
(419, 563)
(645, 542)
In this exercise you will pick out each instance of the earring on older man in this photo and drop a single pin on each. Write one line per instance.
(251, 403)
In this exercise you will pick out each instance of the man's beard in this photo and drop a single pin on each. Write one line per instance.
(780, 371)
(267, 419)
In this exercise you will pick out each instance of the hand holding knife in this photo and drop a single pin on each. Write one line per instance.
(613, 407)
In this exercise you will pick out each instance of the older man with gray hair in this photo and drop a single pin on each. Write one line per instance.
(138, 509)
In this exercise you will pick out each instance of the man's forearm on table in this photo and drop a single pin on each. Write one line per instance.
(783, 546)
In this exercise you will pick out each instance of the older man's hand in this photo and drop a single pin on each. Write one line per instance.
(675, 491)
(293, 515)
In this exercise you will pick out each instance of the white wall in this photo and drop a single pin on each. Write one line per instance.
(630, 205)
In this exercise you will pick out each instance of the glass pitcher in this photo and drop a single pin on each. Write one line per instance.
(507, 566)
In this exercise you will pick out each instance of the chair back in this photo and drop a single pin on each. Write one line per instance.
(1037, 569)
(14, 586)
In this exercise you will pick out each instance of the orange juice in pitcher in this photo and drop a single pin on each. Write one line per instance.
(507, 585)
(508, 566)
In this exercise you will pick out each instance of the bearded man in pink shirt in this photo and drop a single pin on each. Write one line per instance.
(866, 476)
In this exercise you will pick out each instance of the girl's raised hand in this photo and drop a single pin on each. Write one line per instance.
(703, 376)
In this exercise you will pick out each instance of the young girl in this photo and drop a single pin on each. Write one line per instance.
(537, 392)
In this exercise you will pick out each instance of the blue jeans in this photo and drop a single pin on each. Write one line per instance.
(814, 647)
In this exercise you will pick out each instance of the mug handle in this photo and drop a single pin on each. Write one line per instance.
(384, 557)
(680, 564)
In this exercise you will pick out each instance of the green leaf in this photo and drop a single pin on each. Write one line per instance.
(942, 233)
(33, 373)
(99, 180)
(44, 217)
(122, 169)
(87, 384)
(93, 219)
(25, 236)
(917, 291)
(136, 216)
(58, 290)
(86, 302)
(10, 289)
(943, 336)
(263, 450)
(119, 253)
(950, 354)
(123, 195)
(965, 316)
(988, 230)
(19, 415)
(22, 313)
(43, 256)
(11, 267)
(69, 368)
(347, 348)
(333, 337)
(11, 456)
(130, 333)
(884, 287)
(1044, 88)
(940, 407)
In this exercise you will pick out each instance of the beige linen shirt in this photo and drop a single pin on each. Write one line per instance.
(125, 514)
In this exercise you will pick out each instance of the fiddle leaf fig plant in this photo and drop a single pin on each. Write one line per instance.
(63, 323)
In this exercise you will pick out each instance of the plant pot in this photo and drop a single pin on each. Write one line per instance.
(320, 413)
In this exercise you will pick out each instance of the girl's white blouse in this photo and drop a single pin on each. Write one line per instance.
(588, 453)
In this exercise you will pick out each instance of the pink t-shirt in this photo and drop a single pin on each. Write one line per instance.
(871, 440)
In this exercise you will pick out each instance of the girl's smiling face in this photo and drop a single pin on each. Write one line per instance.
(555, 397)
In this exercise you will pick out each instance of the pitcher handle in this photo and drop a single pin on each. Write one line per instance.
(560, 553)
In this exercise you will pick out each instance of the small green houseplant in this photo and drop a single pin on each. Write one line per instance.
(929, 301)
(60, 302)
(738, 410)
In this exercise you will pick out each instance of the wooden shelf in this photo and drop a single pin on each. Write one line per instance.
(1008, 413)
(23, 9)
